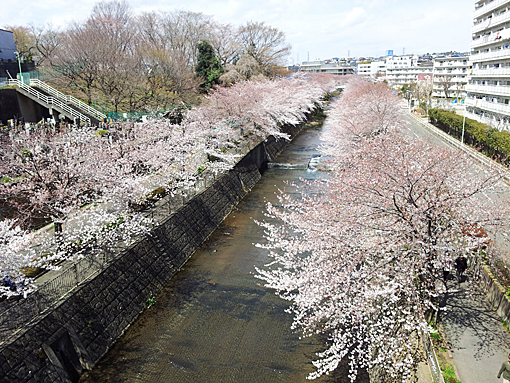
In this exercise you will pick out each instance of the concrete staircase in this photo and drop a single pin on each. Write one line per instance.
(53, 99)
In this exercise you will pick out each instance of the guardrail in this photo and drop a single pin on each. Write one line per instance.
(69, 99)
(50, 101)
(486, 161)
(57, 284)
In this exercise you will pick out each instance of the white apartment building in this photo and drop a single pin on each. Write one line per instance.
(488, 90)
(402, 70)
(451, 76)
(328, 66)
(373, 70)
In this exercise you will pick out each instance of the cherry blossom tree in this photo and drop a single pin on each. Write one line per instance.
(15, 255)
(360, 255)
(91, 184)
(44, 175)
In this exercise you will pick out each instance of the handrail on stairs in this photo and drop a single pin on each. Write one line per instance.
(50, 101)
(67, 98)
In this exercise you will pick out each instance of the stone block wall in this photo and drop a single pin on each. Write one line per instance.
(496, 295)
(79, 329)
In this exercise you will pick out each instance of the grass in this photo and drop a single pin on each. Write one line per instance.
(449, 373)
(445, 361)
(151, 302)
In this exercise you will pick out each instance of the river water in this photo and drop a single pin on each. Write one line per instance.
(214, 322)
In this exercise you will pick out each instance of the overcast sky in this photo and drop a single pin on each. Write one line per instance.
(318, 28)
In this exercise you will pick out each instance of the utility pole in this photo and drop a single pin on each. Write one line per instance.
(19, 63)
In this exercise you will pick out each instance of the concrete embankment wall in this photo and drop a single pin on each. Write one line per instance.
(496, 295)
(80, 328)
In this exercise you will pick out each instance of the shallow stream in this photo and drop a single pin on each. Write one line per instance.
(214, 322)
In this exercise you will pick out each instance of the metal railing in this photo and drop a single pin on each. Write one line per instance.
(486, 161)
(54, 285)
(69, 99)
(499, 72)
(50, 101)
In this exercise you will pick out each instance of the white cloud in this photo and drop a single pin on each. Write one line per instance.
(324, 28)
(353, 17)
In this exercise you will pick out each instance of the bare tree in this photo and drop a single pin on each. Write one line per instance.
(422, 91)
(446, 85)
(183, 31)
(225, 43)
(47, 43)
(266, 44)
(24, 39)
(74, 59)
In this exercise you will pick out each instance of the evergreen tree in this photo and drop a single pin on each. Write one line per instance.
(208, 67)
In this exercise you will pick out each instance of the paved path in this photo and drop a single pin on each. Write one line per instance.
(476, 336)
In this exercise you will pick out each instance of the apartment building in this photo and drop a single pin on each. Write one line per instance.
(451, 75)
(488, 90)
(402, 70)
(372, 70)
(334, 66)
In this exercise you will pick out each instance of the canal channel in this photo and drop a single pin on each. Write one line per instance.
(214, 322)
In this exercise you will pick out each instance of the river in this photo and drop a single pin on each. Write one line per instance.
(214, 322)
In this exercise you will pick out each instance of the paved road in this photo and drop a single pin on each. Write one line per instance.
(477, 338)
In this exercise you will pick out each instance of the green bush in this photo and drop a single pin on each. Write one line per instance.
(482, 134)
(501, 141)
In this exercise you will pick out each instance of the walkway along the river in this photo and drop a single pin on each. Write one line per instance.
(214, 322)
(476, 337)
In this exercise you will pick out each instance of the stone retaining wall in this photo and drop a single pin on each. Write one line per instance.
(80, 328)
(496, 295)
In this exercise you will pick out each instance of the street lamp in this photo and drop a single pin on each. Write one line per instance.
(19, 63)
(463, 127)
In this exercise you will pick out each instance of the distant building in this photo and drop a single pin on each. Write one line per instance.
(7, 46)
(372, 70)
(451, 76)
(488, 90)
(334, 66)
(402, 70)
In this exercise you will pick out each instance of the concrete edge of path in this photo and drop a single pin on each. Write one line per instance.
(484, 160)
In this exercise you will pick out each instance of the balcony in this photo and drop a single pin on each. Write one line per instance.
(453, 80)
(489, 120)
(492, 22)
(493, 72)
(489, 106)
(496, 90)
(451, 73)
(488, 8)
(493, 38)
(489, 56)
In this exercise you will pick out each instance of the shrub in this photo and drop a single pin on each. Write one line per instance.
(483, 134)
